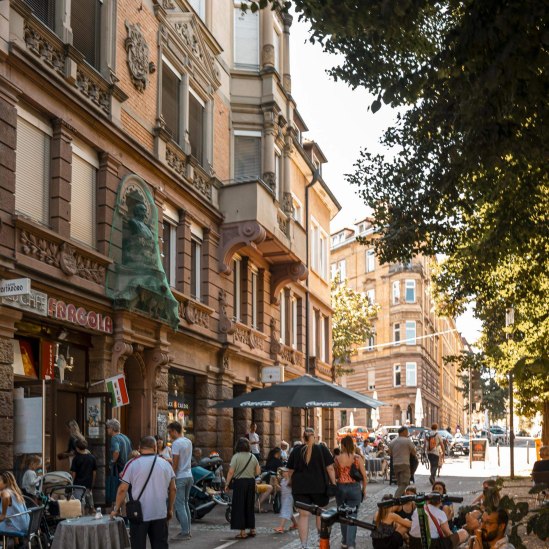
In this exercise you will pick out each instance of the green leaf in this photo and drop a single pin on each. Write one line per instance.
(376, 105)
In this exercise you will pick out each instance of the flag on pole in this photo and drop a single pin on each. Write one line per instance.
(117, 388)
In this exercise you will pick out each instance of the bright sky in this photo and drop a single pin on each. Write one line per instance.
(339, 120)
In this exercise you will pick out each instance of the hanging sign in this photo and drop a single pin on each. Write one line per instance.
(16, 286)
(47, 359)
(116, 386)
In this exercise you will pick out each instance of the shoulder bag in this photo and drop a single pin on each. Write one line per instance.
(355, 473)
(235, 476)
(442, 542)
(331, 489)
(134, 512)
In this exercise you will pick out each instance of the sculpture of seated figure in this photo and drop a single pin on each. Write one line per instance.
(139, 248)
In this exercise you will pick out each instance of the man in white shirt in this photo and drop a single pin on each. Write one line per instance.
(182, 450)
(152, 495)
(253, 437)
(493, 530)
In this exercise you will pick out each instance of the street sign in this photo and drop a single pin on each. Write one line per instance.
(16, 286)
(272, 374)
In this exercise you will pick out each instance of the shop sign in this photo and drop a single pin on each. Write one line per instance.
(16, 286)
(47, 354)
(33, 302)
(78, 315)
(272, 374)
(175, 403)
(478, 449)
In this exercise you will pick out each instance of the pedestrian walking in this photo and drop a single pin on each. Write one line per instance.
(182, 450)
(351, 485)
(162, 450)
(401, 448)
(286, 501)
(150, 480)
(74, 435)
(312, 477)
(120, 450)
(83, 471)
(243, 469)
(253, 437)
(435, 451)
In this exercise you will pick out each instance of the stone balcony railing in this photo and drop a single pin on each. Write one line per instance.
(245, 336)
(193, 312)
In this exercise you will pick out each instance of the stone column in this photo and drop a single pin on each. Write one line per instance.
(285, 179)
(8, 317)
(286, 78)
(267, 52)
(298, 423)
(269, 129)
(210, 287)
(183, 270)
(61, 174)
(107, 184)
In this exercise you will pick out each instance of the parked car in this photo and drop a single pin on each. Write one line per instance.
(459, 446)
(356, 431)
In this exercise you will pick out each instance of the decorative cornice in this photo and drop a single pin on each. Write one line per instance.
(236, 236)
(283, 274)
(46, 47)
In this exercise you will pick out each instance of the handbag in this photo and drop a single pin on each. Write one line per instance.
(331, 489)
(355, 473)
(231, 484)
(134, 511)
(441, 542)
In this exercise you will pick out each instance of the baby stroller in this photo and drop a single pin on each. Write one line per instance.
(204, 497)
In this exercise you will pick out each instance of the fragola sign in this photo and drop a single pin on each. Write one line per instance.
(78, 315)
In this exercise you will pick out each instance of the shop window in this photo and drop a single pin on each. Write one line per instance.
(171, 84)
(410, 332)
(246, 39)
(396, 375)
(32, 174)
(83, 193)
(181, 400)
(237, 294)
(197, 114)
(247, 155)
(169, 240)
(410, 291)
(411, 374)
(86, 26)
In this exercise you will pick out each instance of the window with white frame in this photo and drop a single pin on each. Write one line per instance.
(371, 343)
(314, 329)
(283, 317)
(247, 155)
(319, 249)
(169, 251)
(411, 374)
(370, 260)
(410, 332)
(255, 297)
(323, 338)
(246, 39)
(410, 291)
(339, 268)
(298, 210)
(396, 333)
(83, 193)
(278, 175)
(237, 295)
(396, 292)
(199, 6)
(396, 375)
(196, 267)
(32, 174)
(294, 303)
(197, 123)
(371, 295)
(371, 379)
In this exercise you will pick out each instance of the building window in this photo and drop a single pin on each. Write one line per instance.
(411, 375)
(247, 155)
(83, 193)
(277, 42)
(86, 26)
(298, 210)
(410, 332)
(169, 251)
(32, 174)
(294, 321)
(396, 292)
(396, 375)
(43, 10)
(343, 415)
(319, 249)
(370, 261)
(278, 175)
(410, 292)
(246, 39)
(371, 295)
(396, 333)
(322, 340)
(283, 317)
(171, 87)
(199, 6)
(371, 343)
(339, 269)
(371, 379)
(197, 114)
(314, 327)
(196, 266)
(255, 296)
(237, 297)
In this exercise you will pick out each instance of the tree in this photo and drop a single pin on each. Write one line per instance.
(351, 324)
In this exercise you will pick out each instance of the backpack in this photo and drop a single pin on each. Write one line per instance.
(431, 442)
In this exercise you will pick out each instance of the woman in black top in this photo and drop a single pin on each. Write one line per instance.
(274, 461)
(311, 467)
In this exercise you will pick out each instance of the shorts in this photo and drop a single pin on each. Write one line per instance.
(262, 488)
(316, 499)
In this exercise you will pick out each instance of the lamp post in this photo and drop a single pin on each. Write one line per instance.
(509, 321)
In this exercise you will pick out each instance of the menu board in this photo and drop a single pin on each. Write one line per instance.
(479, 448)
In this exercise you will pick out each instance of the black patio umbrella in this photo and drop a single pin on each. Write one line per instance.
(302, 392)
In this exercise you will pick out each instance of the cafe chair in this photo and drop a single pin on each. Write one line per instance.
(33, 531)
(541, 482)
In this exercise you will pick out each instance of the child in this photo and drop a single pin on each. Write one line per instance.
(83, 471)
(286, 501)
(30, 478)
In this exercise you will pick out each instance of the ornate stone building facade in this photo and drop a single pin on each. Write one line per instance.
(154, 184)
(410, 343)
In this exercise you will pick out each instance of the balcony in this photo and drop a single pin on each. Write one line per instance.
(413, 267)
(253, 217)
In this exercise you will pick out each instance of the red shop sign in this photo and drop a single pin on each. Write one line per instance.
(47, 359)
(78, 315)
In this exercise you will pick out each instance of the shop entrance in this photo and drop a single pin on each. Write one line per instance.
(134, 419)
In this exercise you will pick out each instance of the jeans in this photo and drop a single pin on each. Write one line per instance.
(402, 475)
(182, 511)
(349, 494)
(156, 530)
(433, 461)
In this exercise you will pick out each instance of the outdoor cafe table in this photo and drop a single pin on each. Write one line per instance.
(91, 533)
(373, 465)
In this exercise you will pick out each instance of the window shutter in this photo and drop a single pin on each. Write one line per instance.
(85, 23)
(170, 101)
(246, 39)
(32, 175)
(43, 10)
(83, 203)
(247, 158)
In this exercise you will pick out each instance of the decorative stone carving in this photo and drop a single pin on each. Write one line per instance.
(176, 160)
(236, 236)
(226, 326)
(120, 352)
(63, 256)
(186, 32)
(38, 43)
(168, 4)
(289, 355)
(202, 185)
(283, 223)
(275, 346)
(246, 335)
(288, 204)
(283, 274)
(269, 178)
(137, 52)
(268, 55)
(94, 89)
(193, 314)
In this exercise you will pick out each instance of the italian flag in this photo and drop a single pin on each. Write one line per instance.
(117, 388)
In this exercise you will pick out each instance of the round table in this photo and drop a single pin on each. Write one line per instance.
(91, 533)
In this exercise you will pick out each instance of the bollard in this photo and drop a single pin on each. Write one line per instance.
(498, 451)
(528, 452)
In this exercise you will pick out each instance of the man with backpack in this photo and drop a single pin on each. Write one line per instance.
(435, 450)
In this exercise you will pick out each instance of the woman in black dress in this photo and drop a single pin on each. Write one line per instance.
(243, 469)
(311, 468)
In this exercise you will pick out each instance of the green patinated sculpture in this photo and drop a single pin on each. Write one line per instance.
(136, 280)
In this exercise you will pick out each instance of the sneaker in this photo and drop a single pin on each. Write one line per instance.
(181, 537)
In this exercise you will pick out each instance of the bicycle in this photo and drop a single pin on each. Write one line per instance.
(420, 500)
(328, 517)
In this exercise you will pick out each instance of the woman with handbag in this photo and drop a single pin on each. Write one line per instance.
(312, 477)
(243, 469)
(351, 485)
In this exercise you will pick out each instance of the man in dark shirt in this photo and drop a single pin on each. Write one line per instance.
(83, 471)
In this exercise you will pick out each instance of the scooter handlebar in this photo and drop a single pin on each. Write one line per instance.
(419, 498)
